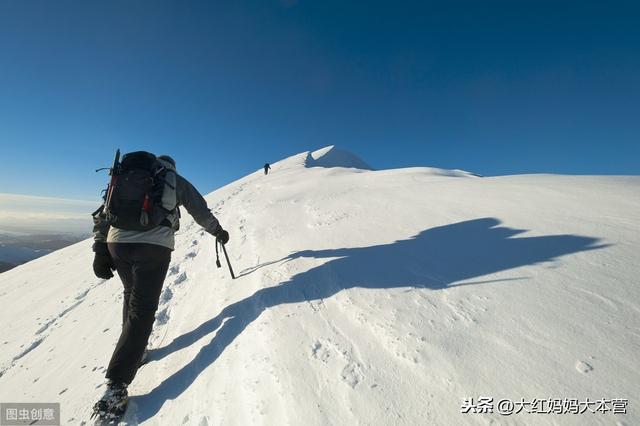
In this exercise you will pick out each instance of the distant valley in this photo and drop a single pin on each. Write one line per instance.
(17, 248)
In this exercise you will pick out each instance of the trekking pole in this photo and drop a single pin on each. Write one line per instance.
(217, 256)
(224, 250)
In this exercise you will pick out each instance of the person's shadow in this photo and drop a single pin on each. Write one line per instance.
(435, 259)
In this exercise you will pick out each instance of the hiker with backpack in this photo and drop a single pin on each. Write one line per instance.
(134, 235)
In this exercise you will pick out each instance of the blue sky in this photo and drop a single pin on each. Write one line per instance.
(489, 87)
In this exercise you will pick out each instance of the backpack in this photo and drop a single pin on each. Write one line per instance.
(142, 193)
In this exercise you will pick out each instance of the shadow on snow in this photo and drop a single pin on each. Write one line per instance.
(435, 259)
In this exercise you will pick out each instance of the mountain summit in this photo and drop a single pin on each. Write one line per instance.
(331, 156)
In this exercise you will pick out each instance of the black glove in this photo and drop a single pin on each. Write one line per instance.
(221, 235)
(102, 262)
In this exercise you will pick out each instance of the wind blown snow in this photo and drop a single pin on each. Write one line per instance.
(362, 297)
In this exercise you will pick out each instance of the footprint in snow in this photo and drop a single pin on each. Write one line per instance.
(162, 317)
(180, 279)
(583, 367)
(166, 295)
(320, 352)
(351, 374)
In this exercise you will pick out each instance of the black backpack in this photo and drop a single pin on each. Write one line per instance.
(139, 197)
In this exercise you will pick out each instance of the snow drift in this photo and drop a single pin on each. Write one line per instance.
(363, 297)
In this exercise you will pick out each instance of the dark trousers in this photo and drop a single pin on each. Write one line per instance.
(142, 269)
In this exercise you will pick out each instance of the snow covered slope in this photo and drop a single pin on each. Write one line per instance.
(363, 297)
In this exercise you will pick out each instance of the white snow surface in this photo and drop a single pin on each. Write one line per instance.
(363, 297)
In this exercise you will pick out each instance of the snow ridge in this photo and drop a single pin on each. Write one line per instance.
(331, 156)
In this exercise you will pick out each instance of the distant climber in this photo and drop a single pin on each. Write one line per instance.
(267, 167)
(134, 234)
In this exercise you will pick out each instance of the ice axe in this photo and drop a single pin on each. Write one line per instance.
(224, 250)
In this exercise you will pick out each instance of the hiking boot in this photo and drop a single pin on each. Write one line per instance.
(113, 403)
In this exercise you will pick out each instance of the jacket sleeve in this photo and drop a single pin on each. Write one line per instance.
(190, 198)
(100, 227)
